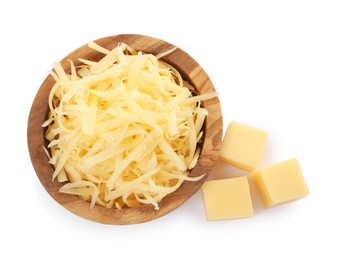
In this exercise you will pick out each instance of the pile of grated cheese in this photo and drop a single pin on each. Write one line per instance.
(123, 131)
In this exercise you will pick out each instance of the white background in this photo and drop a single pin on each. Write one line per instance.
(276, 66)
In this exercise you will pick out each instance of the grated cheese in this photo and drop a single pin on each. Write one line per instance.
(123, 131)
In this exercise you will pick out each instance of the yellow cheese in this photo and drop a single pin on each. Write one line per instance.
(281, 182)
(243, 146)
(227, 198)
(123, 130)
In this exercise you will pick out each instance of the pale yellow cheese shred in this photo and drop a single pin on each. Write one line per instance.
(123, 131)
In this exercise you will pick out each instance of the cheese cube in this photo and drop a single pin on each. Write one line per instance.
(281, 182)
(243, 146)
(227, 198)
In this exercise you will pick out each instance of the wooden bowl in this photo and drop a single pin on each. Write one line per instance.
(190, 71)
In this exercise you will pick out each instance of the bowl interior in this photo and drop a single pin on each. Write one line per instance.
(191, 71)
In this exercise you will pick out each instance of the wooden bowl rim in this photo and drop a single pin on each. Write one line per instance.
(191, 71)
